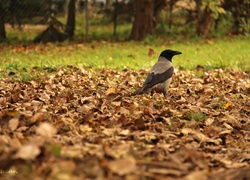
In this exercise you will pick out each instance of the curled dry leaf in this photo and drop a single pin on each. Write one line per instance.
(46, 130)
(62, 170)
(201, 175)
(37, 117)
(123, 166)
(110, 91)
(13, 124)
(85, 128)
(165, 171)
(200, 137)
(28, 152)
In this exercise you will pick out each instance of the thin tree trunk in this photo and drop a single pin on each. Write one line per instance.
(144, 22)
(2, 26)
(171, 4)
(115, 14)
(205, 22)
(198, 9)
(70, 26)
(86, 20)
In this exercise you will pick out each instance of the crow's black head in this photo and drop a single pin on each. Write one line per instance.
(168, 54)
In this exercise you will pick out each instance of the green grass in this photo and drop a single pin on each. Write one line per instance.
(221, 53)
(196, 116)
(107, 51)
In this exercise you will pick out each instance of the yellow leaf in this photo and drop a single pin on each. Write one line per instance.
(227, 105)
(110, 90)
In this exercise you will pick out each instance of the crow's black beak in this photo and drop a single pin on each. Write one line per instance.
(176, 52)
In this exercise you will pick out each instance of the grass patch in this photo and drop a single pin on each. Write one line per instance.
(221, 53)
(196, 116)
(226, 52)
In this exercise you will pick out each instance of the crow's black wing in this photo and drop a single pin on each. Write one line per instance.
(153, 79)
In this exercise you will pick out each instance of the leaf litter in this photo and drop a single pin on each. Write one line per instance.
(79, 123)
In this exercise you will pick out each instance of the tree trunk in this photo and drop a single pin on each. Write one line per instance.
(87, 20)
(70, 26)
(144, 22)
(171, 6)
(238, 9)
(198, 9)
(205, 22)
(2, 26)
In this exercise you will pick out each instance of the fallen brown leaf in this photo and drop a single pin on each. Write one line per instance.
(123, 166)
(78, 123)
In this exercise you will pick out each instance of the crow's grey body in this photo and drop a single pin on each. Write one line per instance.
(160, 75)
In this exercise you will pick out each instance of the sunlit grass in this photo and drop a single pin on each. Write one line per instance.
(222, 53)
(106, 51)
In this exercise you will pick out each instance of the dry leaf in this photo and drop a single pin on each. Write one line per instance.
(46, 129)
(110, 91)
(227, 105)
(201, 127)
(28, 152)
(85, 128)
(201, 175)
(123, 166)
(37, 117)
(13, 124)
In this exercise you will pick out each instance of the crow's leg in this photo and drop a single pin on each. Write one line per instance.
(164, 93)
(152, 93)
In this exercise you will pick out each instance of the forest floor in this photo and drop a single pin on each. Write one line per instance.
(76, 123)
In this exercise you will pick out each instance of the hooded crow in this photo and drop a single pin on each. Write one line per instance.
(160, 75)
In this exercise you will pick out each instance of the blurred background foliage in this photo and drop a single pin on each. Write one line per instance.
(84, 20)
